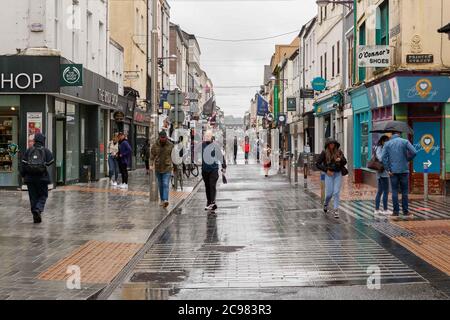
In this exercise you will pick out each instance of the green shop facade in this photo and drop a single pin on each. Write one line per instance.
(423, 101)
(71, 105)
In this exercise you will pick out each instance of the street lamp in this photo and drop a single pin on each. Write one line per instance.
(324, 3)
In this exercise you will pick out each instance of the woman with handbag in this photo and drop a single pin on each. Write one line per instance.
(267, 161)
(332, 161)
(382, 178)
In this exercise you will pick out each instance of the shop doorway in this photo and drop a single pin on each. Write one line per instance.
(60, 151)
(9, 157)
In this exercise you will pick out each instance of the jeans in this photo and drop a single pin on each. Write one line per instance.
(163, 185)
(38, 192)
(210, 180)
(113, 167)
(333, 189)
(383, 190)
(124, 172)
(399, 181)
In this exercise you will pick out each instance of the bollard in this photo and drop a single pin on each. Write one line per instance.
(296, 167)
(289, 167)
(322, 187)
(425, 181)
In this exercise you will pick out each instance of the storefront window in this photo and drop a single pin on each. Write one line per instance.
(72, 143)
(141, 136)
(9, 146)
(364, 144)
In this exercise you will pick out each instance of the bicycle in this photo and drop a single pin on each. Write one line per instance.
(189, 169)
(177, 177)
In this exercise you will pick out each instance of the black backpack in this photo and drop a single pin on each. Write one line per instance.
(36, 161)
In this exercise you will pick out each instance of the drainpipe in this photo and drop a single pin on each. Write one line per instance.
(355, 22)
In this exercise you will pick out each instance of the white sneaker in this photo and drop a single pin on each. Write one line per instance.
(387, 212)
(114, 184)
(378, 212)
(123, 186)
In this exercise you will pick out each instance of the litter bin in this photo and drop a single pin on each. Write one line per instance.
(89, 165)
(85, 174)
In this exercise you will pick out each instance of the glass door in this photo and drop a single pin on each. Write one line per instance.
(59, 156)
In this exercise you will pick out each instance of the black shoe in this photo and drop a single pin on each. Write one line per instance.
(395, 214)
(214, 207)
(325, 209)
(37, 217)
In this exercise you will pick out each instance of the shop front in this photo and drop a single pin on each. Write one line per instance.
(423, 101)
(325, 119)
(35, 99)
(362, 142)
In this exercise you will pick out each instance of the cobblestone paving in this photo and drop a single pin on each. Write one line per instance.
(267, 234)
(74, 215)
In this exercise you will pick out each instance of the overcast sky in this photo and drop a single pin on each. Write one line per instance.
(239, 63)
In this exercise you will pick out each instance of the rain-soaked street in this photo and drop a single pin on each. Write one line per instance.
(271, 240)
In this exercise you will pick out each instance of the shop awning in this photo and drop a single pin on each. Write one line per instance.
(327, 105)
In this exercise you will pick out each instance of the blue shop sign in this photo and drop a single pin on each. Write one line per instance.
(417, 89)
(327, 105)
(427, 142)
(319, 84)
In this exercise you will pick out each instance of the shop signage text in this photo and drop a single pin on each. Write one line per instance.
(374, 56)
(291, 104)
(307, 94)
(108, 97)
(21, 81)
(419, 58)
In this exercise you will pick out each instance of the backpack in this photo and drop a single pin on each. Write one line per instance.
(36, 161)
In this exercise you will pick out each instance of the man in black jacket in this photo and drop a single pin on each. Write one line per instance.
(34, 171)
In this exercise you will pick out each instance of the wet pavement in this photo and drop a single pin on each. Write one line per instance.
(91, 225)
(271, 240)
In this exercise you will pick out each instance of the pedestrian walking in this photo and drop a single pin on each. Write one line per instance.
(267, 162)
(145, 155)
(397, 153)
(235, 149)
(382, 178)
(246, 148)
(332, 161)
(161, 162)
(258, 144)
(34, 171)
(113, 150)
(210, 169)
(124, 159)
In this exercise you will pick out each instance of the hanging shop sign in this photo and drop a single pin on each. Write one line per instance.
(374, 56)
(319, 84)
(415, 89)
(292, 104)
(262, 106)
(34, 126)
(282, 119)
(71, 75)
(306, 94)
(419, 58)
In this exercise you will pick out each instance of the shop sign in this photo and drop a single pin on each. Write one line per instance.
(262, 106)
(292, 104)
(326, 106)
(71, 75)
(427, 142)
(108, 97)
(374, 56)
(306, 94)
(34, 126)
(282, 119)
(163, 98)
(410, 90)
(419, 58)
(140, 117)
(119, 116)
(29, 74)
(319, 84)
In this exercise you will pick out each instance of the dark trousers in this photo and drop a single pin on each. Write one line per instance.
(147, 164)
(235, 154)
(38, 192)
(383, 190)
(399, 182)
(124, 172)
(210, 180)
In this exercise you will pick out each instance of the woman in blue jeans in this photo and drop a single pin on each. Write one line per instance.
(383, 180)
(332, 162)
(113, 150)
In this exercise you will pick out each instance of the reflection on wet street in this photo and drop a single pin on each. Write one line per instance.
(271, 240)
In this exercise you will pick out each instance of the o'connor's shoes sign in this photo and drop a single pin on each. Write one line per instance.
(374, 56)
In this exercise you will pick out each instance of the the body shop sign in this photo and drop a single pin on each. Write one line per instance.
(71, 75)
(374, 56)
